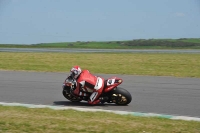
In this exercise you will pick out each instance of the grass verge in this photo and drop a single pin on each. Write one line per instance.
(155, 64)
(21, 119)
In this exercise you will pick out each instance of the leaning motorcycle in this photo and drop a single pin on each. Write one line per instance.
(111, 90)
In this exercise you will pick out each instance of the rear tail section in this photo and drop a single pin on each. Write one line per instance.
(111, 83)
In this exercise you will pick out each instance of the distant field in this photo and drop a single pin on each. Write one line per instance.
(184, 43)
(180, 65)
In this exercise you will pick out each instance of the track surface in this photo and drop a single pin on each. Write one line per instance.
(163, 95)
(71, 50)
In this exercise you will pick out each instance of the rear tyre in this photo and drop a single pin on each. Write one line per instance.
(121, 96)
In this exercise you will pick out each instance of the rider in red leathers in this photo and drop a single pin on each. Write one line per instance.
(87, 84)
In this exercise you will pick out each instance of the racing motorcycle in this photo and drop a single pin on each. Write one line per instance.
(111, 90)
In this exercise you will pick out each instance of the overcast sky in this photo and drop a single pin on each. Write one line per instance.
(42, 21)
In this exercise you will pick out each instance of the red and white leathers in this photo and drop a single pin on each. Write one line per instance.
(88, 83)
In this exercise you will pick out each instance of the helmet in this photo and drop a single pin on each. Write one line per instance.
(75, 72)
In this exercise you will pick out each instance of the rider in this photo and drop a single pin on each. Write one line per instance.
(87, 85)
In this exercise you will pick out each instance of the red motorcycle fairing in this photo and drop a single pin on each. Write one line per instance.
(112, 83)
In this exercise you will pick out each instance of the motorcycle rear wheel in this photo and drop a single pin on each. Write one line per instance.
(121, 96)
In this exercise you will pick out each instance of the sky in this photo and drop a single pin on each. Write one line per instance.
(45, 21)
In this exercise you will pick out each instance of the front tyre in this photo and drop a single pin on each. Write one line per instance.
(70, 97)
(121, 96)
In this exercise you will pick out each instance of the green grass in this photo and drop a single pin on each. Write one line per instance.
(97, 45)
(192, 40)
(179, 65)
(184, 43)
(26, 120)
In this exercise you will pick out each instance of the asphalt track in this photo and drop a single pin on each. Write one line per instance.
(77, 50)
(162, 95)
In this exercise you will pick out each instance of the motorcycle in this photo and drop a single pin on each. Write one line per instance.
(111, 90)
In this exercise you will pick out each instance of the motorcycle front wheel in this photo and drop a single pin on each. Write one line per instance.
(70, 97)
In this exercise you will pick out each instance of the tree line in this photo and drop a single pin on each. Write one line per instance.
(166, 43)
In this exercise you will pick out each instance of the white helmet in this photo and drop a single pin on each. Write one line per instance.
(75, 72)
